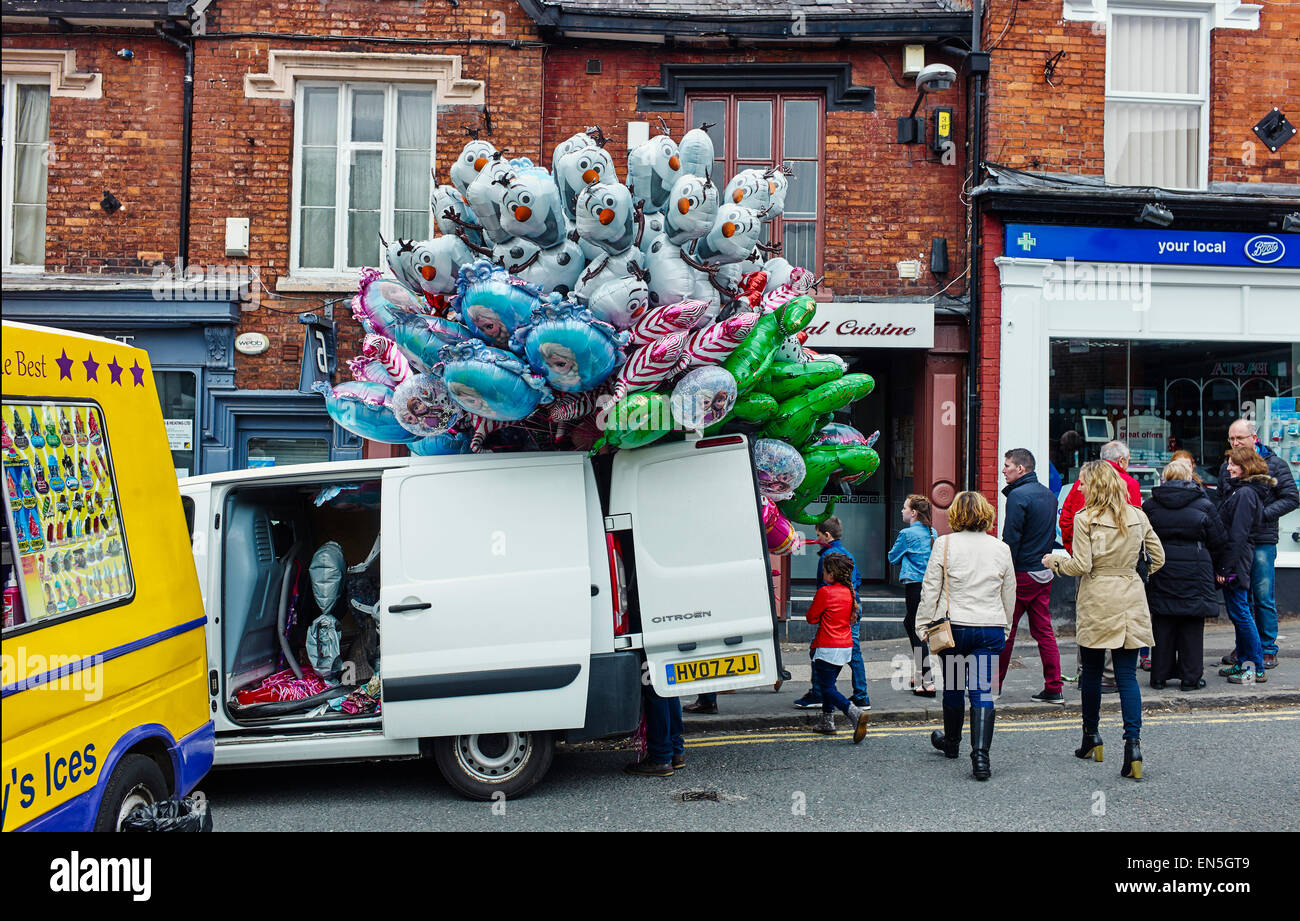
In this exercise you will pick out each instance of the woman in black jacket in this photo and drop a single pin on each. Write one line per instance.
(1241, 513)
(1182, 594)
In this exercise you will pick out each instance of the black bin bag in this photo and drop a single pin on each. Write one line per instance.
(190, 814)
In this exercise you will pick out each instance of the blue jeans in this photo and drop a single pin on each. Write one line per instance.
(857, 668)
(1130, 697)
(664, 733)
(1261, 586)
(824, 675)
(1249, 649)
(971, 665)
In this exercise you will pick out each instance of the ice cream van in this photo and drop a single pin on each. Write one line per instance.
(105, 704)
(477, 609)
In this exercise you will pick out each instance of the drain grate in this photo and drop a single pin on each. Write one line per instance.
(697, 796)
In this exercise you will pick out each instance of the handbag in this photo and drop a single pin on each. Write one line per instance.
(1143, 560)
(938, 635)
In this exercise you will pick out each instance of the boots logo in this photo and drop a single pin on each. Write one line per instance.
(1265, 249)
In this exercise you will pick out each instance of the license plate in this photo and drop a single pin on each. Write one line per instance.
(708, 669)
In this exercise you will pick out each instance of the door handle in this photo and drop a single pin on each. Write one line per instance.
(403, 608)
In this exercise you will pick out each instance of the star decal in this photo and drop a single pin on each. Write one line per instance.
(137, 373)
(92, 367)
(115, 372)
(65, 365)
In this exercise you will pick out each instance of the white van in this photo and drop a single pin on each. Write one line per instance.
(521, 598)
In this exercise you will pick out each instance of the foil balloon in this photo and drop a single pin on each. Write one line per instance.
(490, 383)
(671, 318)
(780, 468)
(386, 352)
(555, 269)
(362, 409)
(422, 406)
(531, 208)
(605, 217)
(381, 302)
(712, 345)
(837, 433)
(703, 397)
(421, 338)
(848, 462)
(473, 157)
(652, 169)
(578, 169)
(435, 445)
(751, 359)
(733, 236)
(486, 194)
(692, 206)
(696, 152)
(452, 214)
(622, 302)
(751, 188)
(674, 279)
(781, 536)
(634, 421)
(429, 266)
(798, 417)
(786, 379)
(649, 365)
(370, 370)
(569, 347)
(492, 304)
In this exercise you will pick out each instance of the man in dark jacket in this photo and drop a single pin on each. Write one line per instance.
(1029, 529)
(1282, 498)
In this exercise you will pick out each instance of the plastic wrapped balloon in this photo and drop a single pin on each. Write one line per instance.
(422, 406)
(702, 397)
(362, 409)
(569, 347)
(435, 445)
(490, 383)
(838, 433)
(780, 468)
(492, 304)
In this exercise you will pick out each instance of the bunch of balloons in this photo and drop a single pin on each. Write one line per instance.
(564, 308)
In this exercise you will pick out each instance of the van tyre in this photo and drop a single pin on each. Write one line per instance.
(480, 766)
(136, 781)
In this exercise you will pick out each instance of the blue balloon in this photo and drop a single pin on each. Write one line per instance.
(568, 346)
(491, 303)
(421, 338)
(491, 383)
(434, 445)
(361, 407)
(381, 302)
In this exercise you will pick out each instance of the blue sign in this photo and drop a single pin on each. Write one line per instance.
(1158, 247)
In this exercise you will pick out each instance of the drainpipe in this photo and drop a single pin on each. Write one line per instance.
(975, 87)
(186, 45)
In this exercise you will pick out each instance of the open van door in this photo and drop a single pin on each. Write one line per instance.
(701, 569)
(485, 598)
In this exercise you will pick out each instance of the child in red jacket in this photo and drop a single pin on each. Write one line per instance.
(834, 609)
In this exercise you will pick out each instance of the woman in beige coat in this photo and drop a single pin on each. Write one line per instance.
(1111, 608)
(971, 580)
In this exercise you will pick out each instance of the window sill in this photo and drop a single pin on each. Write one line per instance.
(318, 284)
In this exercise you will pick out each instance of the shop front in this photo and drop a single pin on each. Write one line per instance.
(1158, 338)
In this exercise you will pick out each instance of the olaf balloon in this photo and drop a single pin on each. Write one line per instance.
(473, 157)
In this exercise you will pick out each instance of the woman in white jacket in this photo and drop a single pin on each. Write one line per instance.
(971, 580)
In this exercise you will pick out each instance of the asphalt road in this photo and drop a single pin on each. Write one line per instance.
(1231, 770)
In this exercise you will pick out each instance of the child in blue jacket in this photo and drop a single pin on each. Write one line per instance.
(912, 551)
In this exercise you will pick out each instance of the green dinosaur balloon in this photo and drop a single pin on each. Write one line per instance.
(755, 407)
(751, 359)
(821, 463)
(797, 418)
(786, 379)
(636, 420)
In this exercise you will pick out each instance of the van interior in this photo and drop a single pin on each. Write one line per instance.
(282, 572)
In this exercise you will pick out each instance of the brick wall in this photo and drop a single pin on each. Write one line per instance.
(128, 141)
(989, 374)
(1035, 126)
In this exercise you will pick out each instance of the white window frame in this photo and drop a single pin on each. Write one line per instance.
(343, 165)
(11, 82)
(1201, 98)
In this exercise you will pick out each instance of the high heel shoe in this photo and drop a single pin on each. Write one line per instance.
(1132, 760)
(1091, 746)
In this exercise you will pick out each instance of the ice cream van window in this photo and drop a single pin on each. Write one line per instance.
(64, 526)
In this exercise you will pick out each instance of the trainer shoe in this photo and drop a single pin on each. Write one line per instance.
(808, 702)
(861, 704)
(1047, 697)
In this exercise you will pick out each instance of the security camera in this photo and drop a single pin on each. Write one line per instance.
(934, 77)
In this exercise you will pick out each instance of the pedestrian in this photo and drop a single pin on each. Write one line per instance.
(971, 581)
(1184, 593)
(1187, 456)
(664, 735)
(830, 535)
(1248, 488)
(1111, 609)
(1029, 530)
(1281, 498)
(1116, 454)
(835, 611)
(911, 551)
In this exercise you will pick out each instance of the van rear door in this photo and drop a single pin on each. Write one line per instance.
(485, 602)
(702, 582)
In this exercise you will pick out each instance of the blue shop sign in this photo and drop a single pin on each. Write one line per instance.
(1158, 247)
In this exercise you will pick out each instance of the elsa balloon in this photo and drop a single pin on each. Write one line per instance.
(435, 445)
(490, 383)
(421, 338)
(362, 409)
(569, 347)
(380, 302)
(492, 304)
(423, 407)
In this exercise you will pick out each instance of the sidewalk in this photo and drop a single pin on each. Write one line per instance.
(761, 708)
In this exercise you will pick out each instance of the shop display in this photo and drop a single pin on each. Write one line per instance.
(61, 503)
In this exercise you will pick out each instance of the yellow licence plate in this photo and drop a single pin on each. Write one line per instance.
(708, 669)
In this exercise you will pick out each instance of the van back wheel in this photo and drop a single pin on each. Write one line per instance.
(136, 781)
(480, 766)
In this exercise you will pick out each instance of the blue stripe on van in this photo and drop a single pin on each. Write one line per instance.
(71, 668)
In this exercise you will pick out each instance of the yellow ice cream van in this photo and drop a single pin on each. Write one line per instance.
(105, 703)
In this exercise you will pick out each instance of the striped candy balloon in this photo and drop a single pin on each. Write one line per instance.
(388, 354)
(662, 321)
(370, 369)
(650, 364)
(712, 345)
(482, 429)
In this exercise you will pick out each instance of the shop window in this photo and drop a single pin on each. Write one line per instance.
(26, 158)
(177, 394)
(1157, 98)
(280, 452)
(1163, 396)
(363, 160)
(67, 540)
(758, 131)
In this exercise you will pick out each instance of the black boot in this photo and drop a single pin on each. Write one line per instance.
(949, 741)
(1132, 759)
(1091, 746)
(981, 737)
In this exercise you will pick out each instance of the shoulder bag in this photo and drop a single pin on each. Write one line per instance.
(938, 635)
(1143, 560)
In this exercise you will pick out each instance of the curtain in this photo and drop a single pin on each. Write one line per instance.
(31, 145)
